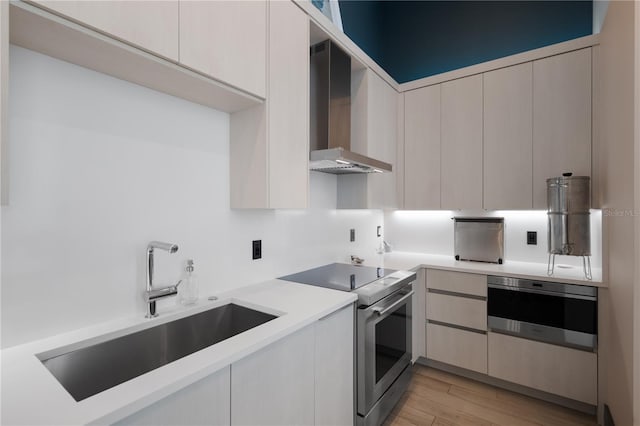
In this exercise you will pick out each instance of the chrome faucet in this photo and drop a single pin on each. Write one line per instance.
(151, 295)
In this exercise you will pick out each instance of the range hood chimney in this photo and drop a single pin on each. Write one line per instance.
(330, 124)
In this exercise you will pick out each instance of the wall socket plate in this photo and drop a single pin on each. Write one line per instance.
(532, 238)
(256, 249)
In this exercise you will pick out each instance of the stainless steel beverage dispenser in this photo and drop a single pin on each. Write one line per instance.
(569, 229)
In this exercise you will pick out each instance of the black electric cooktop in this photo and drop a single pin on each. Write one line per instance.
(339, 276)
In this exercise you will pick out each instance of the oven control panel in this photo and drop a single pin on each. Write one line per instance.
(379, 289)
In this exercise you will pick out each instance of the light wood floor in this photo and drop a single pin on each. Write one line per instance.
(438, 398)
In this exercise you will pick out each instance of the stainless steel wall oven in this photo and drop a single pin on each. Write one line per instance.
(562, 314)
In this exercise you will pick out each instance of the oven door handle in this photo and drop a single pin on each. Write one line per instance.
(382, 311)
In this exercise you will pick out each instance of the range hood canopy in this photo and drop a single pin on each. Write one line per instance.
(331, 115)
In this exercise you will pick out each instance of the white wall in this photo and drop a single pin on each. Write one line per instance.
(100, 167)
(432, 232)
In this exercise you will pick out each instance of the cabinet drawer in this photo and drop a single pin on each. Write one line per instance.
(459, 282)
(567, 372)
(456, 310)
(461, 348)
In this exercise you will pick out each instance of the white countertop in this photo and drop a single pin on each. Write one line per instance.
(31, 395)
(537, 271)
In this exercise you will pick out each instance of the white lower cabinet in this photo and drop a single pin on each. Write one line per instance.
(461, 348)
(457, 282)
(567, 372)
(206, 402)
(456, 310)
(303, 379)
(306, 378)
(419, 324)
(334, 403)
(275, 386)
(461, 311)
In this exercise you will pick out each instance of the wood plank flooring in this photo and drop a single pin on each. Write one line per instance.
(437, 398)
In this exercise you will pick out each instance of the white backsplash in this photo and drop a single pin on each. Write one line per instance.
(99, 167)
(432, 232)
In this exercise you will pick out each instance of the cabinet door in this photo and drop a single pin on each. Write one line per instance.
(422, 149)
(275, 386)
(462, 348)
(151, 25)
(226, 40)
(457, 310)
(206, 402)
(419, 324)
(567, 372)
(561, 119)
(334, 404)
(288, 106)
(457, 282)
(508, 136)
(269, 144)
(461, 147)
(382, 123)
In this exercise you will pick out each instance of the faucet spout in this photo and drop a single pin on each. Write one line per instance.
(151, 294)
(171, 248)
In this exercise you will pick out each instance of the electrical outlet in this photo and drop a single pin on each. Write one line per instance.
(532, 238)
(256, 249)
(352, 235)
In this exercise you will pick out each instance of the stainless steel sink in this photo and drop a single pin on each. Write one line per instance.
(92, 369)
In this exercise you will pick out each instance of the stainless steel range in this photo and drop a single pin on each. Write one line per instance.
(382, 329)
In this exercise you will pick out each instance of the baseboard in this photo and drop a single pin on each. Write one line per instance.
(513, 387)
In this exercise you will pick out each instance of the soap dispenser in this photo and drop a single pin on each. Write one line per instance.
(189, 287)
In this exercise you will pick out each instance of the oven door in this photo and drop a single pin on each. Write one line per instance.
(555, 313)
(384, 345)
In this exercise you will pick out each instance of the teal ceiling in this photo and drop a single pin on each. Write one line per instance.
(415, 39)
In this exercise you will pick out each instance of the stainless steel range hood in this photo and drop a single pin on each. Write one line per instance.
(331, 115)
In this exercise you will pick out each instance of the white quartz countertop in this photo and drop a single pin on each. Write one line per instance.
(536, 271)
(31, 395)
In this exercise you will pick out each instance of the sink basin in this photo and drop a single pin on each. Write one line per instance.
(92, 369)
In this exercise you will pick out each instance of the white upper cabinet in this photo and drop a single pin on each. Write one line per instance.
(226, 40)
(288, 105)
(561, 119)
(269, 147)
(382, 141)
(422, 148)
(508, 136)
(461, 144)
(374, 133)
(151, 25)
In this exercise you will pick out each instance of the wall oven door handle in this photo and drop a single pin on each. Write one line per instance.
(382, 311)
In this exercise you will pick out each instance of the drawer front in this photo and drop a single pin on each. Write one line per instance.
(567, 372)
(458, 282)
(457, 347)
(471, 313)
